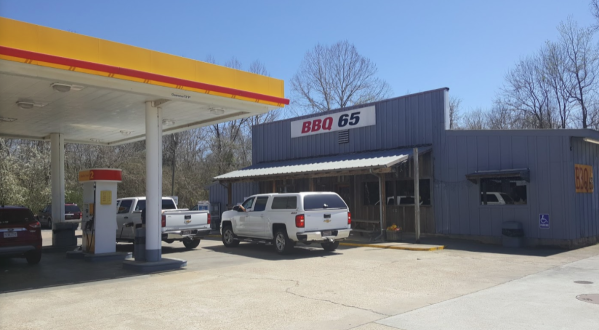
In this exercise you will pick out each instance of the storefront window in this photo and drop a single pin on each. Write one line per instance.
(503, 191)
(401, 194)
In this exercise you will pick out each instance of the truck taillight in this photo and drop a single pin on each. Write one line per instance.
(163, 220)
(349, 218)
(34, 225)
(209, 218)
(300, 221)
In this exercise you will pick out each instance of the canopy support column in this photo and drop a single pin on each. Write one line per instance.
(57, 173)
(153, 182)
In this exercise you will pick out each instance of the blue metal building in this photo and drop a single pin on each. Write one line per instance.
(470, 181)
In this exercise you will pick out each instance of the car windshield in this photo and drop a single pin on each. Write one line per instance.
(322, 201)
(10, 216)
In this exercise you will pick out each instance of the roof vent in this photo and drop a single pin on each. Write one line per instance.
(343, 136)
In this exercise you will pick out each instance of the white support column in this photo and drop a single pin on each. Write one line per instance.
(57, 174)
(153, 182)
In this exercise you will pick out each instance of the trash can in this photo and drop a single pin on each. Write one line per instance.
(512, 234)
(139, 247)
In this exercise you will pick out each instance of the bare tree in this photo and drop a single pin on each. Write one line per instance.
(336, 76)
(555, 73)
(527, 92)
(454, 112)
(475, 120)
(581, 66)
(595, 11)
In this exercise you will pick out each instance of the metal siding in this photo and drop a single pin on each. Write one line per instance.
(482, 150)
(463, 196)
(531, 226)
(401, 122)
(544, 184)
(506, 152)
(473, 189)
(586, 205)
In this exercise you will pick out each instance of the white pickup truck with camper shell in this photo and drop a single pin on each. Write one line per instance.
(177, 224)
(288, 218)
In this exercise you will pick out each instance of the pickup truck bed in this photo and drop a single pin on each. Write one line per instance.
(177, 224)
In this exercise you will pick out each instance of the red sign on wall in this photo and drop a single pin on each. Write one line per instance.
(334, 122)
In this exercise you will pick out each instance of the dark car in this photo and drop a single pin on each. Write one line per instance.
(71, 212)
(20, 234)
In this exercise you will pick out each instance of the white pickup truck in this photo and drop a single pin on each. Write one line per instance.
(285, 219)
(177, 224)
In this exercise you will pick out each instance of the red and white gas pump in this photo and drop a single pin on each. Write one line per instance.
(99, 209)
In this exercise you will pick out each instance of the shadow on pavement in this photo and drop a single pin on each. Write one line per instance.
(476, 246)
(56, 270)
(267, 251)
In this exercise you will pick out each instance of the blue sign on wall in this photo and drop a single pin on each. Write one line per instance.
(544, 221)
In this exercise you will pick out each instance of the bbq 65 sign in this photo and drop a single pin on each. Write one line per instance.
(334, 122)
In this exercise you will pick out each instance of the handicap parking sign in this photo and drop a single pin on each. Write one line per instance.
(544, 221)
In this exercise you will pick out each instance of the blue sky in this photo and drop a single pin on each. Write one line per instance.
(467, 46)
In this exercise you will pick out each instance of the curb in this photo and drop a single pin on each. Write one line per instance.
(436, 248)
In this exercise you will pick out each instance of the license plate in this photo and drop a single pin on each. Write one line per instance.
(326, 233)
(10, 234)
(185, 232)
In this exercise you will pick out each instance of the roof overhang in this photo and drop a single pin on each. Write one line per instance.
(375, 162)
(110, 84)
(522, 173)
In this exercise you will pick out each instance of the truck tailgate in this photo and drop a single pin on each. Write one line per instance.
(326, 219)
(186, 219)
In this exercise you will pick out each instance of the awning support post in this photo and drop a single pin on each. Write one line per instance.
(229, 196)
(311, 182)
(382, 204)
(416, 196)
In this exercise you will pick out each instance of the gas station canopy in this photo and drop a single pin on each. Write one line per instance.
(94, 91)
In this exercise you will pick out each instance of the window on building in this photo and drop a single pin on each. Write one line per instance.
(503, 191)
(400, 194)
(403, 192)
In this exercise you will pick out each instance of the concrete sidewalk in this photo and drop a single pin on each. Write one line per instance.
(546, 300)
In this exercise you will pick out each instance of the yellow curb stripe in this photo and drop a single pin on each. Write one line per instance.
(441, 247)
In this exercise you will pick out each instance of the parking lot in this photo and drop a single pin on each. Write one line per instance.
(251, 287)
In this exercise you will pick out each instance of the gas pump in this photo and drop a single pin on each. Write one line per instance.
(99, 209)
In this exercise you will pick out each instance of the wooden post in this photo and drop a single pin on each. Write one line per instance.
(229, 196)
(416, 196)
(274, 186)
(311, 182)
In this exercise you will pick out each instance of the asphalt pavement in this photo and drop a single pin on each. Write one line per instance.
(466, 285)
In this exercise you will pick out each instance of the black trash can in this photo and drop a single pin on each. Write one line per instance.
(139, 247)
(512, 233)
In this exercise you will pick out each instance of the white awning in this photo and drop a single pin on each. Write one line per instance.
(353, 162)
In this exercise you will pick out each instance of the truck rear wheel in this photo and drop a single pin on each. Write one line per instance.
(191, 243)
(282, 243)
(229, 237)
(328, 246)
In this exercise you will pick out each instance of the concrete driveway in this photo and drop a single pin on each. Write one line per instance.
(251, 287)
